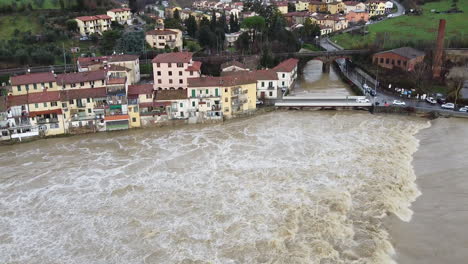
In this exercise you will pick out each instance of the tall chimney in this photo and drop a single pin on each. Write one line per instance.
(439, 52)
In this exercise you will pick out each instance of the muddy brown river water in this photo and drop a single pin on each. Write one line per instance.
(283, 187)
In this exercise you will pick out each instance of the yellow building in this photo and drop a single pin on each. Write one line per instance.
(239, 95)
(139, 97)
(33, 83)
(317, 6)
(336, 7)
(302, 6)
(376, 8)
(121, 15)
(282, 7)
(88, 25)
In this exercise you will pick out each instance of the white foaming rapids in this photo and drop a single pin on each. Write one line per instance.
(286, 187)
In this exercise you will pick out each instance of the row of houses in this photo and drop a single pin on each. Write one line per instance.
(103, 95)
(374, 8)
(88, 25)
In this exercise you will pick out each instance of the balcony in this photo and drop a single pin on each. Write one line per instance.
(47, 120)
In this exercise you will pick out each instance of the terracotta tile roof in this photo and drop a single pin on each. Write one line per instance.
(116, 117)
(208, 81)
(265, 75)
(82, 93)
(351, 3)
(286, 66)
(116, 81)
(86, 61)
(77, 77)
(316, 3)
(147, 104)
(233, 63)
(103, 17)
(119, 9)
(173, 57)
(91, 18)
(41, 77)
(237, 78)
(140, 89)
(298, 14)
(33, 98)
(158, 32)
(43, 97)
(45, 112)
(407, 52)
(171, 95)
(17, 100)
(122, 57)
(196, 66)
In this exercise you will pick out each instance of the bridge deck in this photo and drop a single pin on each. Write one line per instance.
(323, 101)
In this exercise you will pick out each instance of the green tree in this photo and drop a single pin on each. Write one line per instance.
(243, 43)
(109, 40)
(291, 7)
(213, 21)
(204, 22)
(191, 26)
(131, 42)
(72, 25)
(133, 5)
(207, 38)
(222, 23)
(177, 14)
(173, 23)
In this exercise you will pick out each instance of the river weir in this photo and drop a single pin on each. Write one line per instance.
(283, 187)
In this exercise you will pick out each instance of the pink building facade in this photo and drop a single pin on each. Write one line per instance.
(171, 70)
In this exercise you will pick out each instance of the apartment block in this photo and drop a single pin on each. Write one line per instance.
(171, 70)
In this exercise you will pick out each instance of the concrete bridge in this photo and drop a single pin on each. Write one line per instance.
(324, 102)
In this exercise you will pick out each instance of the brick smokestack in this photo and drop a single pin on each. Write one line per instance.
(439, 51)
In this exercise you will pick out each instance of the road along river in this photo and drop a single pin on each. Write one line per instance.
(283, 187)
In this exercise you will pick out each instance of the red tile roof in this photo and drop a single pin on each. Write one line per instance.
(208, 81)
(351, 3)
(91, 18)
(83, 93)
(86, 61)
(116, 117)
(173, 57)
(196, 66)
(158, 32)
(41, 77)
(235, 79)
(17, 100)
(45, 112)
(171, 94)
(116, 81)
(265, 75)
(77, 77)
(43, 97)
(140, 89)
(286, 66)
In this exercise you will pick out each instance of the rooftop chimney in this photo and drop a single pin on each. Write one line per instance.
(439, 51)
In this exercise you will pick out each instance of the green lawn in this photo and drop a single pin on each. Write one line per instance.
(9, 23)
(36, 4)
(310, 47)
(404, 29)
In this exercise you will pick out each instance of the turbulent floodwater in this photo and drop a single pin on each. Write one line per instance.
(313, 81)
(285, 187)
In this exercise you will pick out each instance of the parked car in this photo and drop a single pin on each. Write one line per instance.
(398, 102)
(84, 38)
(431, 100)
(463, 109)
(448, 106)
(259, 102)
(362, 100)
(390, 15)
(373, 93)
